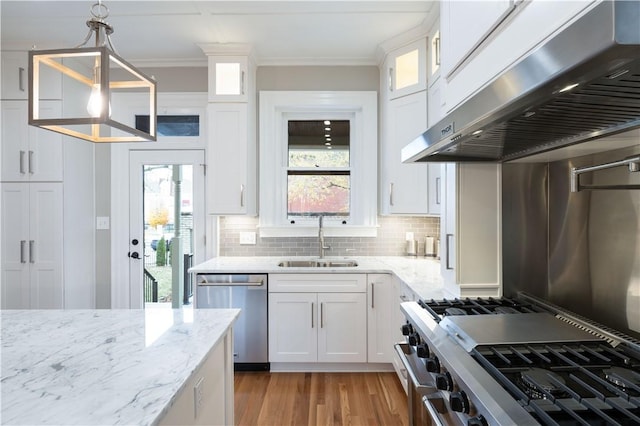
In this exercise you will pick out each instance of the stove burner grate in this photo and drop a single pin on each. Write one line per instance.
(539, 383)
(623, 378)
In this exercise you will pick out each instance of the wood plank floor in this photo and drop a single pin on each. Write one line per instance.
(313, 399)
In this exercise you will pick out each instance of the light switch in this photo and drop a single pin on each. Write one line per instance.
(102, 222)
(248, 238)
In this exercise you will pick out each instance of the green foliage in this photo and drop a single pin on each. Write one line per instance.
(161, 252)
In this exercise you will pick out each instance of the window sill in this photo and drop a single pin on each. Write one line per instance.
(312, 231)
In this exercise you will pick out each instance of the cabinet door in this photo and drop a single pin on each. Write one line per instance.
(293, 325)
(342, 336)
(406, 70)
(466, 24)
(228, 79)
(228, 186)
(45, 245)
(404, 189)
(45, 159)
(15, 75)
(15, 141)
(15, 245)
(382, 327)
(433, 53)
(448, 224)
(30, 153)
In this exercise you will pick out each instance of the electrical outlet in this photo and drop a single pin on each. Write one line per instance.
(198, 396)
(248, 238)
(408, 236)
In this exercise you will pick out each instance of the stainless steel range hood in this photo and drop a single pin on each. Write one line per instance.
(525, 111)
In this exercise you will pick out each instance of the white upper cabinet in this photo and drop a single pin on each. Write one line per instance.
(229, 79)
(231, 146)
(30, 153)
(470, 230)
(467, 24)
(480, 40)
(15, 78)
(406, 69)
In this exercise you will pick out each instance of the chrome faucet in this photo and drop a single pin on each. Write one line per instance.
(321, 238)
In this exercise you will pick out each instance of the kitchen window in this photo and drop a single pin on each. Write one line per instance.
(318, 156)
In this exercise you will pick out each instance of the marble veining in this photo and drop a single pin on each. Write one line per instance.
(98, 367)
(421, 275)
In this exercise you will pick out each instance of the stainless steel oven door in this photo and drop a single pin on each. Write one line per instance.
(427, 406)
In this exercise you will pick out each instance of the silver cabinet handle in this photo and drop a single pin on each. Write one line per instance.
(242, 83)
(373, 294)
(311, 314)
(242, 195)
(31, 255)
(391, 194)
(22, 169)
(321, 315)
(31, 162)
(23, 244)
(437, 190)
(437, 42)
(448, 249)
(21, 79)
(391, 79)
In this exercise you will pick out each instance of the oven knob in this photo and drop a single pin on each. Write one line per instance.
(444, 381)
(459, 402)
(422, 350)
(433, 364)
(477, 421)
(407, 329)
(414, 339)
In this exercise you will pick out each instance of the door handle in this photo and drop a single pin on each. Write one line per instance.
(22, 169)
(448, 249)
(437, 190)
(23, 244)
(134, 255)
(391, 194)
(373, 294)
(32, 243)
(311, 314)
(31, 162)
(321, 315)
(242, 195)
(21, 79)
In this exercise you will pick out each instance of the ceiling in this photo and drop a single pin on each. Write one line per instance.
(167, 33)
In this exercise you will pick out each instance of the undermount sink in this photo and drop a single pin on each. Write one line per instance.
(318, 263)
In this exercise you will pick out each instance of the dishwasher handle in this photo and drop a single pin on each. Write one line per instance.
(251, 282)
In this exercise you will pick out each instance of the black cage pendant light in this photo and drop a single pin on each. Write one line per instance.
(90, 76)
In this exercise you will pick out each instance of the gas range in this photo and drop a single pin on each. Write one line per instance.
(517, 361)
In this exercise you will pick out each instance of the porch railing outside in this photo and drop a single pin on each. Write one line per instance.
(150, 287)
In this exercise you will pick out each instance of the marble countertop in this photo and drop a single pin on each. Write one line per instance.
(98, 367)
(421, 275)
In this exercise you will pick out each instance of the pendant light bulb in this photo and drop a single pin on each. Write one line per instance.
(94, 106)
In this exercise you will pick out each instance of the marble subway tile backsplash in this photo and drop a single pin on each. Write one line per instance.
(389, 242)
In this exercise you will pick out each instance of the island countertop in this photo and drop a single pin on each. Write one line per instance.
(96, 367)
(421, 275)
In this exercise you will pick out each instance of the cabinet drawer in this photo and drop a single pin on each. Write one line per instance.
(317, 283)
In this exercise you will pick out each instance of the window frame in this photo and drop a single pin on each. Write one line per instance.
(276, 109)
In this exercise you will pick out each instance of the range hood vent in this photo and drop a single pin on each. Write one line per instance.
(532, 109)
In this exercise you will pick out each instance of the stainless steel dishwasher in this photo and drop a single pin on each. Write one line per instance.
(248, 293)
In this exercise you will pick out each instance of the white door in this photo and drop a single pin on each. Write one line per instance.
(293, 325)
(166, 222)
(15, 243)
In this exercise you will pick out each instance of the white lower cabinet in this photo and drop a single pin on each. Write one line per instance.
(32, 246)
(381, 328)
(317, 318)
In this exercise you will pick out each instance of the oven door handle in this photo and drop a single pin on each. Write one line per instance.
(405, 362)
(427, 401)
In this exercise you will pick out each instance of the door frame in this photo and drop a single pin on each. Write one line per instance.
(168, 103)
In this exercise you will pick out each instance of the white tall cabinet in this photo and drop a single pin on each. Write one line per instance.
(408, 189)
(231, 148)
(32, 246)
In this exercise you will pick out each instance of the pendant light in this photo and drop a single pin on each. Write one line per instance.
(90, 76)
